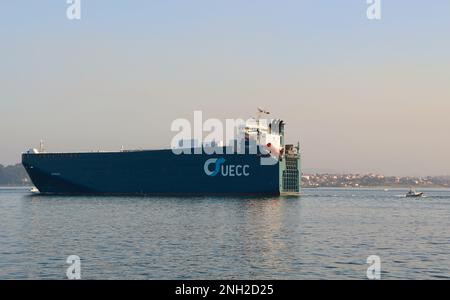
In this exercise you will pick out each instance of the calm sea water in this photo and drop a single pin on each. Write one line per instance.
(324, 234)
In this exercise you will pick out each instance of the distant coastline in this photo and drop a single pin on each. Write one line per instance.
(373, 180)
(14, 176)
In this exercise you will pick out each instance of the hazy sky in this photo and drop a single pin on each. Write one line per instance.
(360, 95)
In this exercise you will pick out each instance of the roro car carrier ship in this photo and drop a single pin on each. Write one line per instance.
(163, 172)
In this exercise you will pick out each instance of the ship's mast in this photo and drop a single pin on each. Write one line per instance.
(258, 116)
(41, 147)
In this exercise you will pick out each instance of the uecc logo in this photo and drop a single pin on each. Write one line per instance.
(225, 170)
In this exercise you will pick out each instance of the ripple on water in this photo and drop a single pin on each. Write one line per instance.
(325, 234)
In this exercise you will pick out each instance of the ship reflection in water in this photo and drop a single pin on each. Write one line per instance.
(323, 234)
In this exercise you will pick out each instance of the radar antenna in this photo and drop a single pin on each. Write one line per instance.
(262, 112)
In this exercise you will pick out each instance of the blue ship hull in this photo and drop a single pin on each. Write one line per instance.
(157, 172)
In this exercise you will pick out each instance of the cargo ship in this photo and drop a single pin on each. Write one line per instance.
(165, 172)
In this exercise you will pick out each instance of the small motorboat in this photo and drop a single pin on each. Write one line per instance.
(413, 194)
(34, 190)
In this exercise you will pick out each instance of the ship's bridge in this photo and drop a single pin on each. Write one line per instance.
(266, 132)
